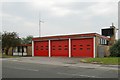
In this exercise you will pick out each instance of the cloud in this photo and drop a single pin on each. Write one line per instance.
(61, 0)
(57, 11)
(17, 24)
(62, 17)
(88, 9)
(9, 17)
(103, 8)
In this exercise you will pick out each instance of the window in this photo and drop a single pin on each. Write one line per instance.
(36, 47)
(41, 49)
(59, 46)
(81, 45)
(74, 45)
(59, 49)
(74, 48)
(88, 45)
(19, 49)
(66, 46)
(88, 48)
(81, 48)
(103, 41)
(65, 49)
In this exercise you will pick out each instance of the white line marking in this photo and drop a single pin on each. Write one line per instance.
(76, 75)
(23, 69)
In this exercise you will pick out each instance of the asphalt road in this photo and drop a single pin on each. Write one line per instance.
(13, 69)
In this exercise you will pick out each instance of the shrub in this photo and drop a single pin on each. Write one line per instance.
(115, 49)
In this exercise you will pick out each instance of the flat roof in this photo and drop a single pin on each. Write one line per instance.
(25, 45)
(70, 36)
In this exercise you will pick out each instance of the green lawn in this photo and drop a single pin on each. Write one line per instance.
(106, 60)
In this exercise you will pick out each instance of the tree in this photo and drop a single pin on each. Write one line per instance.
(0, 42)
(115, 49)
(27, 40)
(9, 39)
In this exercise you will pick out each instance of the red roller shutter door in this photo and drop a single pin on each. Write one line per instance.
(59, 48)
(82, 47)
(41, 48)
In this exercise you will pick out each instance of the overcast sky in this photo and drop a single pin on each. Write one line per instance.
(59, 16)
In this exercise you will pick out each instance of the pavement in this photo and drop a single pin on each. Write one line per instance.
(62, 61)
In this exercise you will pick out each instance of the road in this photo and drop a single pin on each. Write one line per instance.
(14, 69)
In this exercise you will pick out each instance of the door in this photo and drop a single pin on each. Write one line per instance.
(41, 48)
(82, 47)
(59, 48)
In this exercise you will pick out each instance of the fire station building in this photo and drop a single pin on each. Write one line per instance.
(77, 45)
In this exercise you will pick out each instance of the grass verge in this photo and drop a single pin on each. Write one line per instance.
(106, 60)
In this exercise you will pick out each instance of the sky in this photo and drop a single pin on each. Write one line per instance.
(60, 17)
